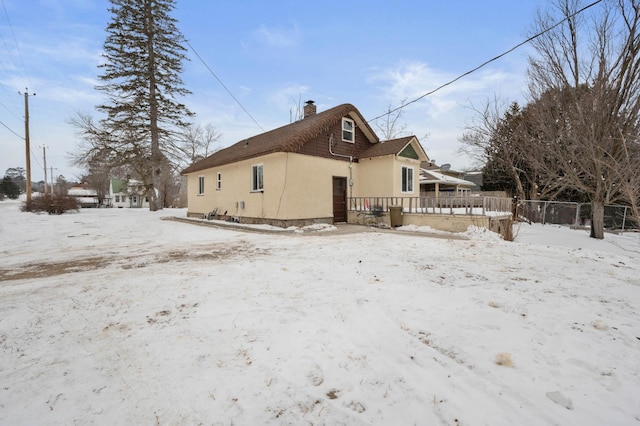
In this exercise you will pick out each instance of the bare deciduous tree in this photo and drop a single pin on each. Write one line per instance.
(496, 139)
(630, 176)
(585, 86)
(197, 142)
(390, 125)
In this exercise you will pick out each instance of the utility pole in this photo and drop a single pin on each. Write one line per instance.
(52, 181)
(44, 155)
(26, 142)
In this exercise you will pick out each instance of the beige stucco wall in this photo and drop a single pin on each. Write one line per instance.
(373, 177)
(397, 177)
(295, 187)
(382, 177)
(451, 223)
(442, 222)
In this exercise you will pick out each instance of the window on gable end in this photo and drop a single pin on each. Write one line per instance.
(348, 130)
(219, 181)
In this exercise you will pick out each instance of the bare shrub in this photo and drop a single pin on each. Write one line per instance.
(52, 204)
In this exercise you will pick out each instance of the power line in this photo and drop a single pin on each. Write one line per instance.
(486, 62)
(11, 130)
(10, 111)
(222, 84)
(35, 158)
(24, 68)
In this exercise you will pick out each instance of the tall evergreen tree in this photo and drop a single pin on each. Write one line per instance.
(143, 54)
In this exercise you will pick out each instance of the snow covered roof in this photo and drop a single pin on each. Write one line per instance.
(82, 192)
(431, 176)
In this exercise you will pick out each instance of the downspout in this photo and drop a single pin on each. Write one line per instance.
(350, 163)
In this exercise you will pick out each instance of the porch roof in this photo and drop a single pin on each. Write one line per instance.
(431, 176)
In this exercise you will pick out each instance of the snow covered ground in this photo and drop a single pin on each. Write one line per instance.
(115, 316)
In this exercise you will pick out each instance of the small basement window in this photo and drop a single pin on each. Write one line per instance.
(348, 130)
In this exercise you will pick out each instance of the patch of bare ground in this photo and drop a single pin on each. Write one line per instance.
(211, 252)
(197, 253)
(41, 270)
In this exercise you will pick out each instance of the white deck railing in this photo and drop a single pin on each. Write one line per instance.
(479, 206)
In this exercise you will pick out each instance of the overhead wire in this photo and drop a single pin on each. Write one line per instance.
(15, 40)
(11, 130)
(546, 30)
(23, 69)
(6, 13)
(222, 84)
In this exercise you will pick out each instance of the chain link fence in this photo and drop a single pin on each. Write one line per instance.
(576, 215)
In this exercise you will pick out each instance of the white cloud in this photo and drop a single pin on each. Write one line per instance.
(289, 96)
(281, 38)
(442, 114)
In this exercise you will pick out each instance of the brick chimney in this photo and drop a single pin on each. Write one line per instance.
(309, 109)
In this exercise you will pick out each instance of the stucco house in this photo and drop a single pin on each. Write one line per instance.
(304, 172)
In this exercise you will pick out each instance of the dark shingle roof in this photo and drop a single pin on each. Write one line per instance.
(289, 138)
(390, 147)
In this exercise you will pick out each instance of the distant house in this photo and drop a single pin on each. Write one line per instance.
(304, 172)
(129, 193)
(441, 180)
(85, 195)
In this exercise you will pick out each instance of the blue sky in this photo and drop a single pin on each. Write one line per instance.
(271, 55)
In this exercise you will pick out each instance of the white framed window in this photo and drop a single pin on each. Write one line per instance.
(200, 185)
(117, 198)
(407, 179)
(348, 130)
(257, 178)
(219, 181)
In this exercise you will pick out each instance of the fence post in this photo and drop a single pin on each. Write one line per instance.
(544, 213)
(575, 223)
(624, 218)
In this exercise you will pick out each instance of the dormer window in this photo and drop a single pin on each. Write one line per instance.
(348, 130)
